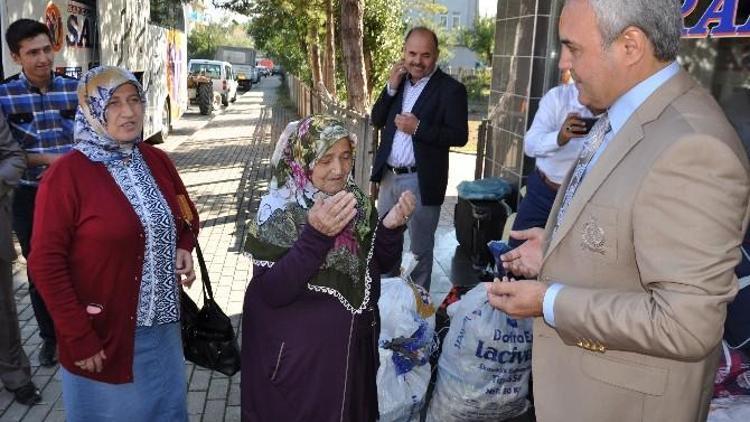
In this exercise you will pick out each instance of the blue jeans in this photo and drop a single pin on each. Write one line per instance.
(158, 391)
(535, 206)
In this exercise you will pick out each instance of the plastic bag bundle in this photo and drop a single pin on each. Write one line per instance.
(729, 409)
(484, 367)
(407, 332)
(732, 378)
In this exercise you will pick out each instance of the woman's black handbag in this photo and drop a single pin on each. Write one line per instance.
(208, 339)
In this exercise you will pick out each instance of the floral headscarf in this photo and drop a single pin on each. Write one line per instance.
(94, 93)
(283, 212)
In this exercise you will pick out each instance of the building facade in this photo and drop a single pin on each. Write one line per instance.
(715, 50)
(460, 14)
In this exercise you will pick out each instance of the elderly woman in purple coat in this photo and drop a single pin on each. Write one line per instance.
(310, 321)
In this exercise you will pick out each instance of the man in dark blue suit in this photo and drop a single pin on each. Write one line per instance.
(422, 113)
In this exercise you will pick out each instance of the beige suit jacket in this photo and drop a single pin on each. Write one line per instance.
(12, 164)
(646, 252)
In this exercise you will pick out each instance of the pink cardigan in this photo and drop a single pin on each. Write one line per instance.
(87, 249)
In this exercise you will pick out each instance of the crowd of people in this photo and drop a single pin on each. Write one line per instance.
(628, 277)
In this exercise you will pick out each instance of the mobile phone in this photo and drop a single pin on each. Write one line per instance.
(589, 122)
(498, 248)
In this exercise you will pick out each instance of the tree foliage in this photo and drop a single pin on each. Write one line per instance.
(288, 29)
(481, 38)
(175, 2)
(205, 39)
(427, 13)
(383, 39)
(280, 29)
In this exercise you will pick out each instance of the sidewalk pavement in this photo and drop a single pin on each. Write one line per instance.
(225, 164)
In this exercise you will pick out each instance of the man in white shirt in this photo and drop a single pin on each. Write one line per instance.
(554, 140)
(422, 113)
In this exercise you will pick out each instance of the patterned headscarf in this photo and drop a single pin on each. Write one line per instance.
(94, 93)
(283, 212)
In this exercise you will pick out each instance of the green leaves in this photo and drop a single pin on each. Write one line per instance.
(280, 28)
(481, 38)
(203, 40)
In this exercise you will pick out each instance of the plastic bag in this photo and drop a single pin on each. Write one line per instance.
(407, 331)
(729, 409)
(732, 378)
(484, 367)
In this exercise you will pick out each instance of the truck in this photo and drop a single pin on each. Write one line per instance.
(147, 37)
(243, 61)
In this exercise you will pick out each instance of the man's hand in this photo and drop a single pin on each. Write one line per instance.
(94, 363)
(573, 127)
(525, 260)
(41, 160)
(518, 299)
(331, 215)
(398, 71)
(36, 160)
(407, 123)
(184, 267)
(400, 213)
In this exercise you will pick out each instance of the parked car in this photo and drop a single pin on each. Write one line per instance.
(264, 71)
(246, 76)
(222, 75)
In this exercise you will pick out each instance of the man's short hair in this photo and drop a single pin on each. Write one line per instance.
(426, 30)
(24, 29)
(660, 20)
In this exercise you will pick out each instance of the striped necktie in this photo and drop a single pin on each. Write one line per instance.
(590, 146)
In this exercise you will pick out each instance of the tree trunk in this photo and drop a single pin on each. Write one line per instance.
(352, 29)
(329, 58)
(369, 72)
(313, 56)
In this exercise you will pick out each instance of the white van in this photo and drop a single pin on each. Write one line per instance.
(222, 75)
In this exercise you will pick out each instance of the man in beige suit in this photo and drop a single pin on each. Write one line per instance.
(15, 372)
(651, 215)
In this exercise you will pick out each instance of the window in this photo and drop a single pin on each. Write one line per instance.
(213, 71)
(443, 21)
(456, 21)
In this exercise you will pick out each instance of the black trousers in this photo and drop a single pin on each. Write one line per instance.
(23, 221)
(15, 370)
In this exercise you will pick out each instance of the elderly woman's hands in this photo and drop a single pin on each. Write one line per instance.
(400, 213)
(329, 216)
(184, 267)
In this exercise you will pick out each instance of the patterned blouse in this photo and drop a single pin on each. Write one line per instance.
(158, 301)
